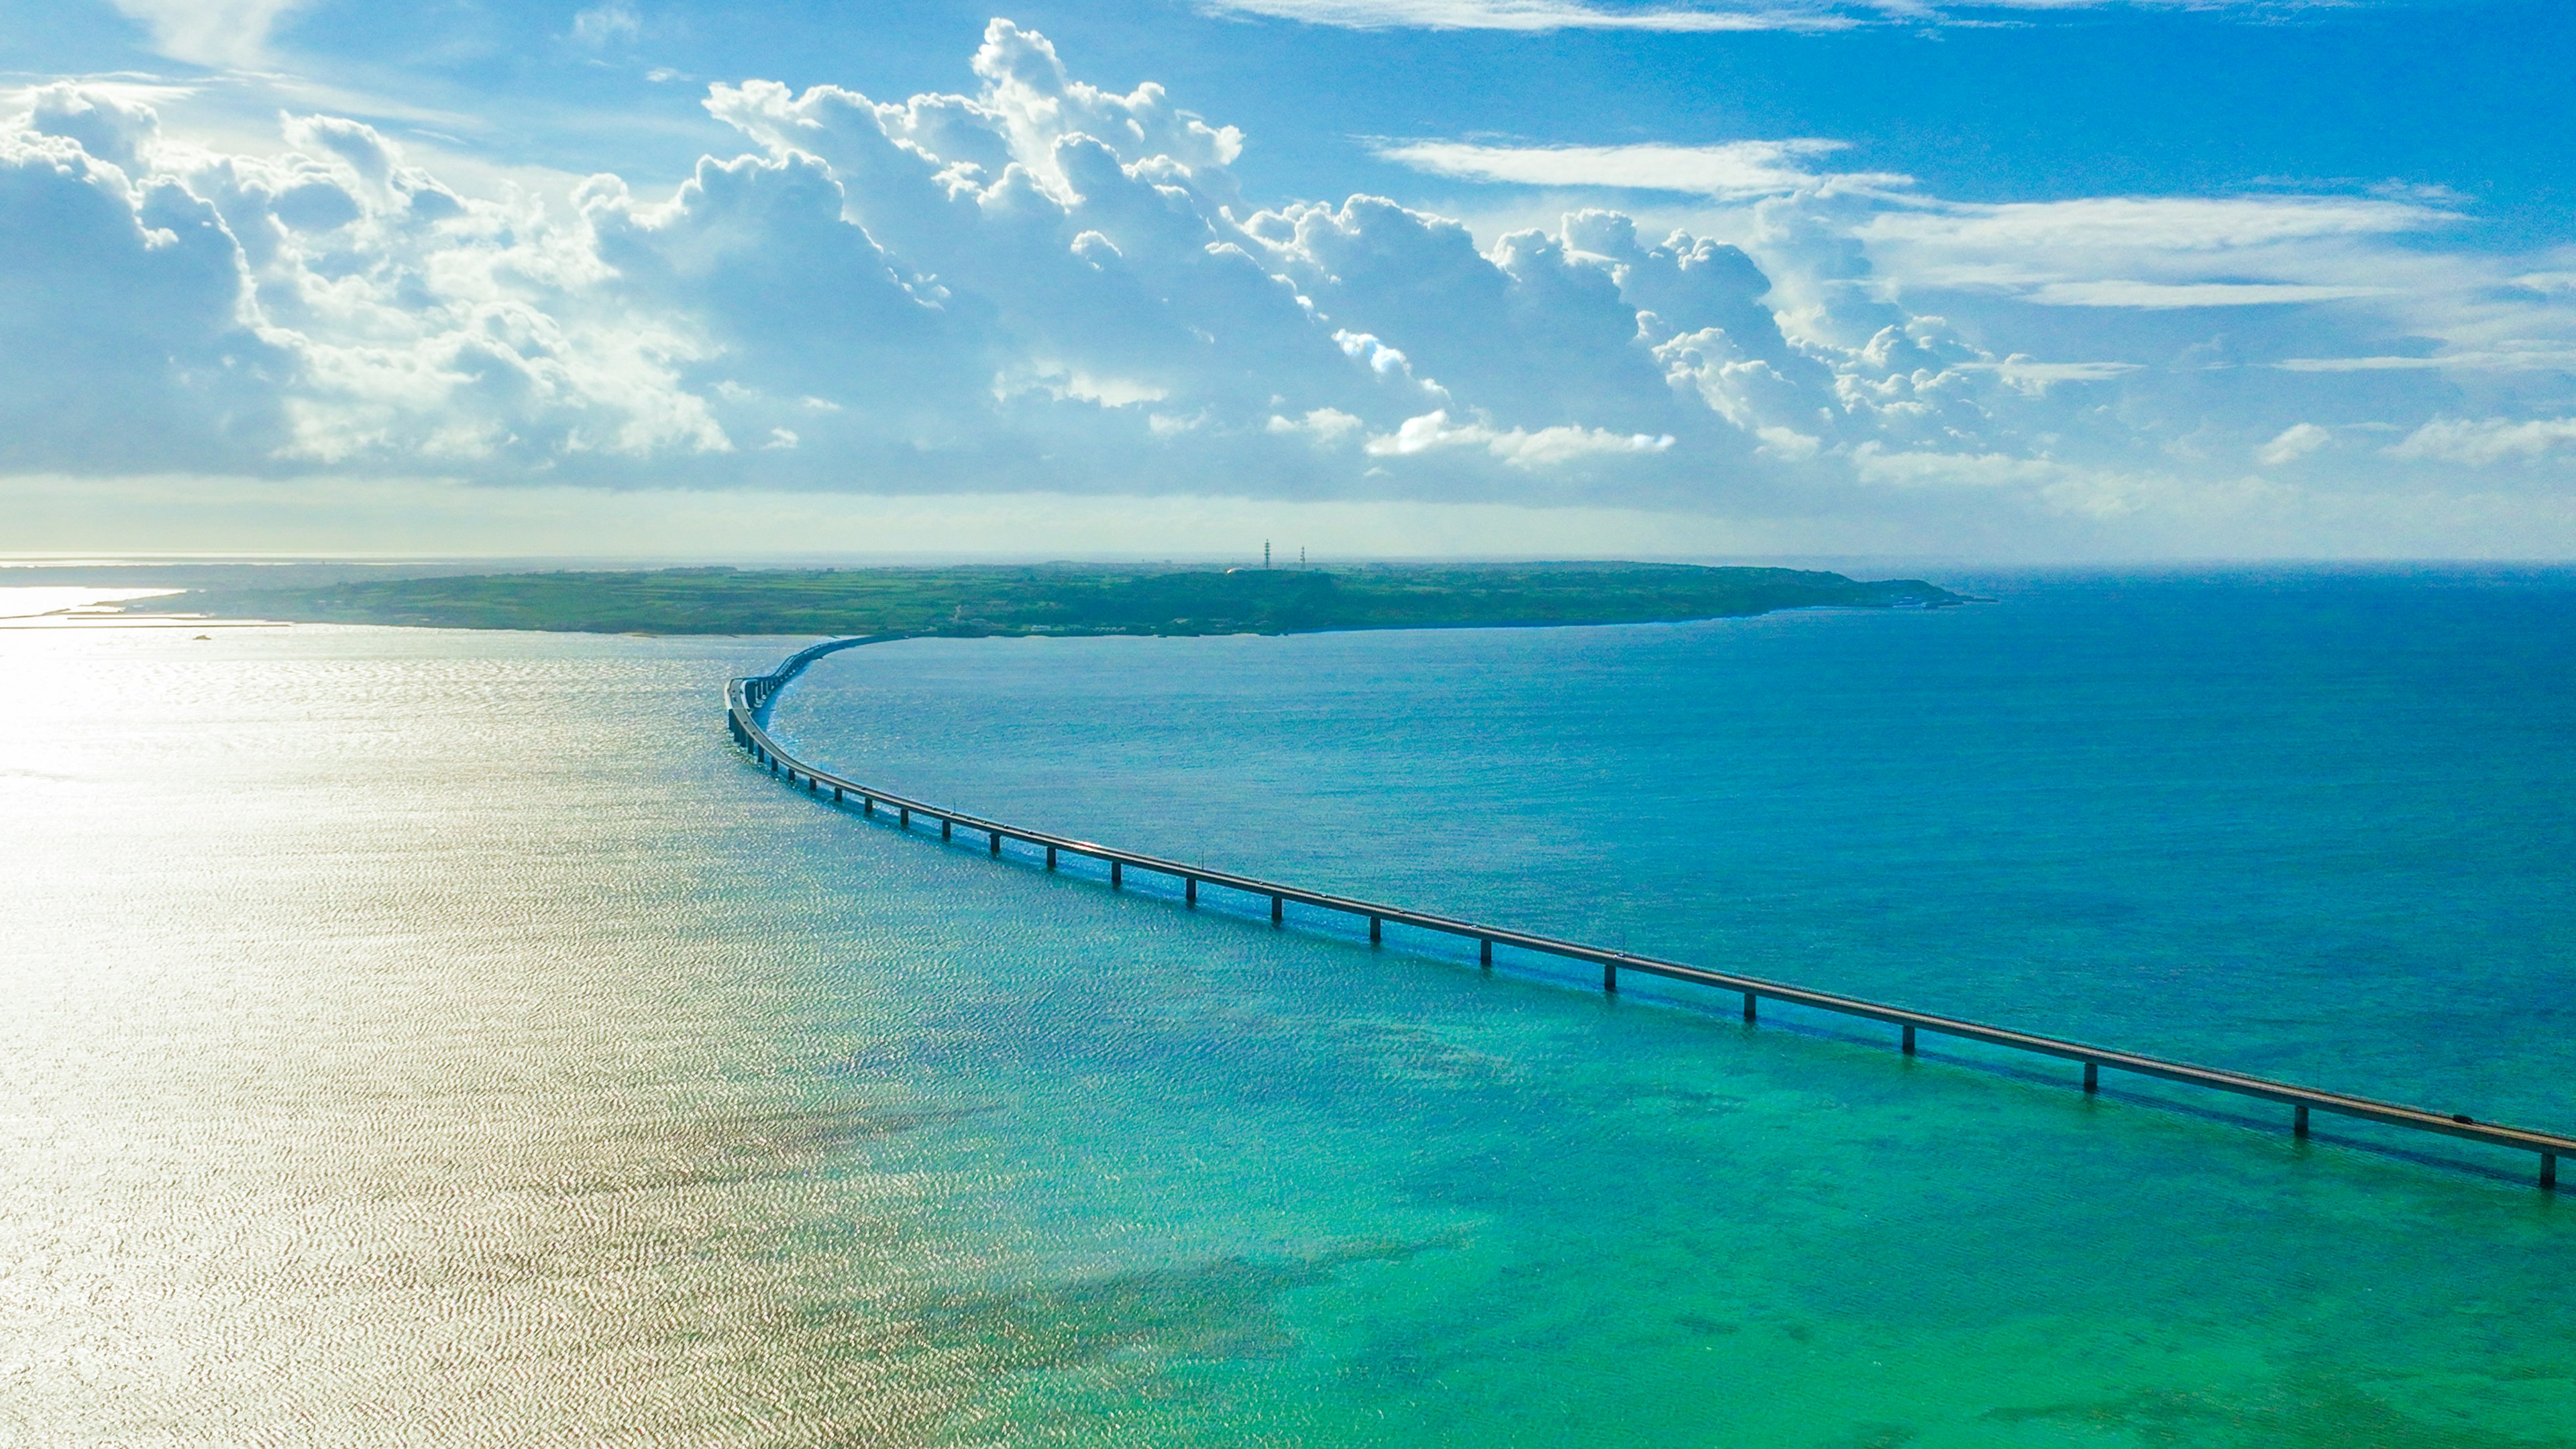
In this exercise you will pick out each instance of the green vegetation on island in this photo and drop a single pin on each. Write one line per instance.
(1072, 599)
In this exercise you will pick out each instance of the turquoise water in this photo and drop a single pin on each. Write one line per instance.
(2319, 827)
(446, 1036)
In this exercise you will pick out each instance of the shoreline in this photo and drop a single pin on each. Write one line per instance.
(1067, 601)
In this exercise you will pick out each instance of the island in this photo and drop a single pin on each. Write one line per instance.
(1071, 599)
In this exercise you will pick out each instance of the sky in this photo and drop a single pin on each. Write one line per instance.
(2048, 280)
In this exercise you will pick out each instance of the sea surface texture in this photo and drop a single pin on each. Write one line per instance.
(429, 1037)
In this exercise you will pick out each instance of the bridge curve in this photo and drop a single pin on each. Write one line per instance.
(746, 706)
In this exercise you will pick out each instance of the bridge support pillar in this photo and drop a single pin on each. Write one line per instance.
(1485, 954)
(2549, 1172)
(907, 817)
(1909, 1038)
(1376, 931)
(1190, 890)
(1117, 874)
(1278, 909)
(836, 794)
(1749, 1012)
(867, 805)
(997, 842)
(1610, 978)
(2299, 1120)
(1050, 857)
(2092, 1076)
(947, 829)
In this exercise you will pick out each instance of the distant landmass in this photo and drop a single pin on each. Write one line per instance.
(1071, 599)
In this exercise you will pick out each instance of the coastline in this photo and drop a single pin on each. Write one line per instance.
(1070, 601)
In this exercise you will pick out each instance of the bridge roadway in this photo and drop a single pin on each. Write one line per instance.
(747, 700)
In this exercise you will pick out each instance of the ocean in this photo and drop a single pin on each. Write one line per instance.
(426, 1036)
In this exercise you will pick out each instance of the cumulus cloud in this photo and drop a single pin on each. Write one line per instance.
(126, 324)
(1039, 283)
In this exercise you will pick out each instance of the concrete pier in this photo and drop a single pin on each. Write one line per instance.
(746, 698)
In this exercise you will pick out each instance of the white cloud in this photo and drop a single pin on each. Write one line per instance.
(2128, 292)
(2156, 223)
(1040, 283)
(2034, 378)
(125, 330)
(2482, 442)
(1518, 447)
(2293, 443)
(1732, 171)
(2154, 253)
(2530, 357)
(1325, 426)
(211, 32)
(1533, 15)
(1788, 444)
(603, 25)
(1549, 15)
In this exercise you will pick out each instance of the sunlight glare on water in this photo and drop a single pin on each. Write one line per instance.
(444, 1037)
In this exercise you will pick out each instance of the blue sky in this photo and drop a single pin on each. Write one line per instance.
(2049, 280)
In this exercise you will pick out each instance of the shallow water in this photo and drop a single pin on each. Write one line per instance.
(444, 1036)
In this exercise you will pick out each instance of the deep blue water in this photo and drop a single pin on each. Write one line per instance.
(2319, 826)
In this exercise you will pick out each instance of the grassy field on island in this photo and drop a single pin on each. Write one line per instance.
(1070, 599)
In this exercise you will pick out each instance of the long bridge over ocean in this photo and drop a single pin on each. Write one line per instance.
(746, 709)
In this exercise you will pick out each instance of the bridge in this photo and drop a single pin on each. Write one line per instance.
(746, 705)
